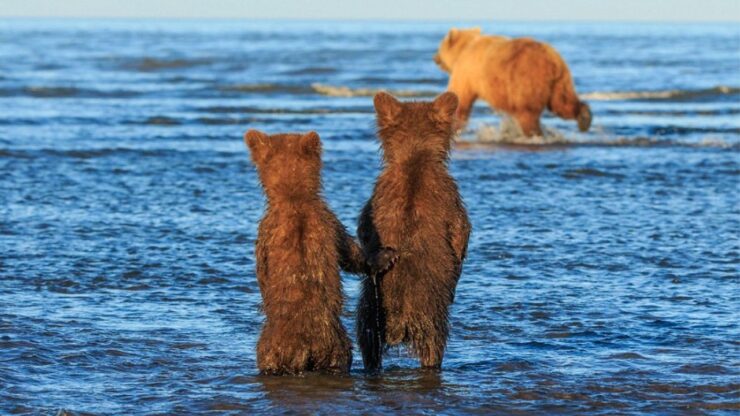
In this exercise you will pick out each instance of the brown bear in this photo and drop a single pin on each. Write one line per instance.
(300, 247)
(521, 77)
(416, 209)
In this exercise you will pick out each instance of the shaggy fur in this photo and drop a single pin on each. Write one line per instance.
(415, 208)
(521, 77)
(300, 248)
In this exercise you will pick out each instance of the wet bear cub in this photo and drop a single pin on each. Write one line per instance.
(415, 208)
(300, 247)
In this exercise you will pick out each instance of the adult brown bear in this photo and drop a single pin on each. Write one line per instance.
(521, 77)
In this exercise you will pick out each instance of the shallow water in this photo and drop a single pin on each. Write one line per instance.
(602, 274)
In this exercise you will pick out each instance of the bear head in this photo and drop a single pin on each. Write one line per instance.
(289, 165)
(452, 45)
(414, 128)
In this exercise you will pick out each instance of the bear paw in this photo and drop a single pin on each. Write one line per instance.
(383, 261)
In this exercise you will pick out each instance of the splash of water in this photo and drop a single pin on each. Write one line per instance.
(509, 132)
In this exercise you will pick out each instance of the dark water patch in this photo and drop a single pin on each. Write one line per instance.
(162, 121)
(7, 343)
(190, 345)
(48, 66)
(627, 356)
(372, 80)
(558, 334)
(717, 388)
(262, 110)
(22, 122)
(731, 172)
(244, 121)
(709, 369)
(515, 277)
(106, 152)
(514, 366)
(51, 92)
(540, 345)
(526, 395)
(83, 154)
(732, 406)
(685, 131)
(187, 78)
(69, 412)
(21, 410)
(265, 88)
(589, 172)
(312, 70)
(149, 64)
(116, 353)
(65, 92)
(10, 154)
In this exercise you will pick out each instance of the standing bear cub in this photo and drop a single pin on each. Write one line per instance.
(415, 208)
(521, 77)
(301, 246)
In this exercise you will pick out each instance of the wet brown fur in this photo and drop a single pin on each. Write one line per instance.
(300, 247)
(521, 77)
(417, 209)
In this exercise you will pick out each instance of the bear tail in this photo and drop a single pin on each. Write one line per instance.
(565, 102)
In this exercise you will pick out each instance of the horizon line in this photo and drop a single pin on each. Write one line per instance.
(366, 19)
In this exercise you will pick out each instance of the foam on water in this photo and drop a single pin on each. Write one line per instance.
(681, 95)
(509, 133)
(344, 91)
(667, 95)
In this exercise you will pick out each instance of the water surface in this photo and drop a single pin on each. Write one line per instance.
(602, 274)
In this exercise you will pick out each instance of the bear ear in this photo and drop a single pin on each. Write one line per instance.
(387, 107)
(452, 36)
(445, 106)
(258, 144)
(311, 143)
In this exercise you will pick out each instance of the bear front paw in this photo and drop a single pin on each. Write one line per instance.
(384, 260)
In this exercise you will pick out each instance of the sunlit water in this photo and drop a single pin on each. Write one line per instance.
(603, 267)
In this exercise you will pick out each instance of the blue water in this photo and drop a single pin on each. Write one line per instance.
(603, 269)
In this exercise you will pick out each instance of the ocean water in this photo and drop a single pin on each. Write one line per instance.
(603, 269)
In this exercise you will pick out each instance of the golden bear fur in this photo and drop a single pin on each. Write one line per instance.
(521, 77)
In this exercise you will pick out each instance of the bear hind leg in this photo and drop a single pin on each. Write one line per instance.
(429, 339)
(337, 359)
(431, 351)
(529, 122)
(584, 117)
(276, 356)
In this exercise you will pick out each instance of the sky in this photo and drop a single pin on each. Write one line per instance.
(490, 10)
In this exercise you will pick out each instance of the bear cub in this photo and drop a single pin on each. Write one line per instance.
(415, 208)
(301, 245)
